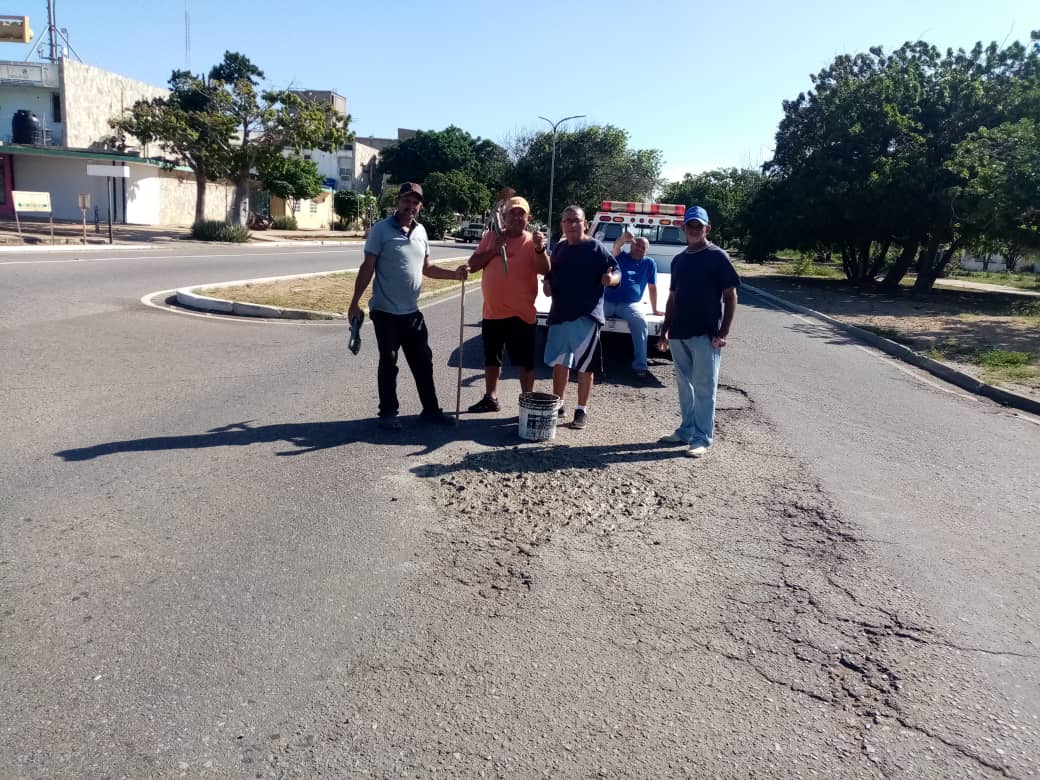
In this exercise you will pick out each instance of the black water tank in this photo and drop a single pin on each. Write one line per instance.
(25, 127)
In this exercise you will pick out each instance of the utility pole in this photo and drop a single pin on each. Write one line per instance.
(552, 166)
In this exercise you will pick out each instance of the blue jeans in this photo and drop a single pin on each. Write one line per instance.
(697, 374)
(631, 314)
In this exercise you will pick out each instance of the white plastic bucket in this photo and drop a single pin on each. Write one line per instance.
(538, 416)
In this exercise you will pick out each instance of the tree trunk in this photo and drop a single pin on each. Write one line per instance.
(925, 266)
(847, 261)
(200, 196)
(1012, 258)
(240, 208)
(934, 268)
(879, 261)
(901, 266)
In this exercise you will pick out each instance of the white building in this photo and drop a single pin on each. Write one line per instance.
(60, 113)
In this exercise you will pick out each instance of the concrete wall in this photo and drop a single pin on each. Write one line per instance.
(65, 178)
(177, 198)
(93, 96)
(153, 196)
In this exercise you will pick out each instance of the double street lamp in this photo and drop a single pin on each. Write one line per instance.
(552, 166)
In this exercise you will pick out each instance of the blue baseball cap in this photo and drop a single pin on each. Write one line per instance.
(696, 213)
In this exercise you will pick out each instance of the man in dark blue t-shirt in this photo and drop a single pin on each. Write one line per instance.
(580, 268)
(697, 318)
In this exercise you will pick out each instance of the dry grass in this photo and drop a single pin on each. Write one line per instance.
(330, 293)
(957, 326)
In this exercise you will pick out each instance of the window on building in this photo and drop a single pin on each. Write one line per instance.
(314, 207)
(56, 106)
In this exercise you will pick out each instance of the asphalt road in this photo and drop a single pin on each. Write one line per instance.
(213, 562)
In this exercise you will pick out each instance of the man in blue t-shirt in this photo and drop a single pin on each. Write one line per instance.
(638, 273)
(580, 268)
(697, 318)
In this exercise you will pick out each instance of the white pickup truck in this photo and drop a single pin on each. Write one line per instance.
(658, 223)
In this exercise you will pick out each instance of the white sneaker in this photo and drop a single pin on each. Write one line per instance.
(697, 452)
(671, 438)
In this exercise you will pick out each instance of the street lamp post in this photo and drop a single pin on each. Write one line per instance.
(552, 165)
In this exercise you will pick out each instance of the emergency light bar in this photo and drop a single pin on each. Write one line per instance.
(628, 207)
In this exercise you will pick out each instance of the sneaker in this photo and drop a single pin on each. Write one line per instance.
(580, 418)
(560, 411)
(485, 404)
(390, 423)
(697, 452)
(438, 418)
(671, 438)
(643, 375)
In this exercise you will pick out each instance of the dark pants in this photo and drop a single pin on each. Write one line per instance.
(405, 332)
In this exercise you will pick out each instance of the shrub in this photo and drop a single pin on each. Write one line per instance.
(437, 224)
(215, 230)
(285, 223)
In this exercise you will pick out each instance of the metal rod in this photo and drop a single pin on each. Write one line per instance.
(462, 322)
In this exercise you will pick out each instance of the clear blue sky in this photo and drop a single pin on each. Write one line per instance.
(702, 82)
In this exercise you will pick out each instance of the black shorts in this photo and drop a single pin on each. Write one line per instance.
(511, 334)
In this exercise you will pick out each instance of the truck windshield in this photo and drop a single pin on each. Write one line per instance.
(608, 232)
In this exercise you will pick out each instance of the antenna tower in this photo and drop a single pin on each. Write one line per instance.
(55, 37)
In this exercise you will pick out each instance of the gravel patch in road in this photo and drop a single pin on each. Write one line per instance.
(602, 606)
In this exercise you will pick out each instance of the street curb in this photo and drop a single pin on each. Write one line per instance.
(904, 353)
(186, 296)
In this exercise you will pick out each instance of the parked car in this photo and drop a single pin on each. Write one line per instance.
(471, 231)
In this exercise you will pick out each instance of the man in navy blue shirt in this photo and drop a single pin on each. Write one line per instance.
(580, 268)
(701, 303)
(638, 272)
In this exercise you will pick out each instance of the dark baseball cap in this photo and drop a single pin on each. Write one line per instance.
(410, 188)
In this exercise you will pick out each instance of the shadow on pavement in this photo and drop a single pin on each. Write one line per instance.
(312, 436)
(495, 432)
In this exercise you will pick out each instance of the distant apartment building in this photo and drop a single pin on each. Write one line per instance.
(353, 166)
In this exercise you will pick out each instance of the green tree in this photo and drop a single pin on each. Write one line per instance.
(448, 195)
(1000, 168)
(347, 205)
(726, 194)
(593, 164)
(444, 151)
(191, 124)
(455, 192)
(270, 122)
(861, 161)
(290, 178)
(353, 206)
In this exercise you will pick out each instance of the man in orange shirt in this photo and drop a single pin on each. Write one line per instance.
(509, 318)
